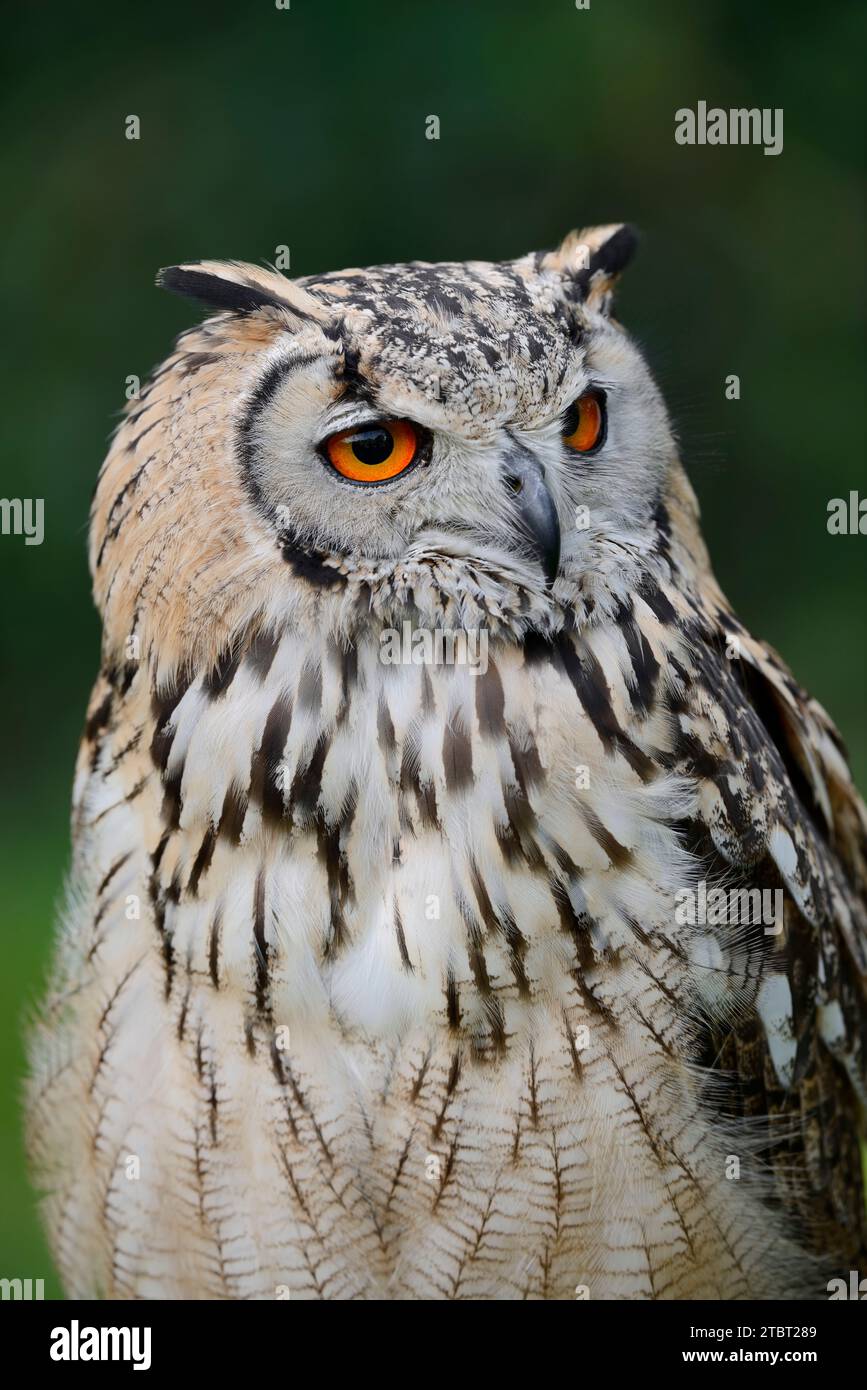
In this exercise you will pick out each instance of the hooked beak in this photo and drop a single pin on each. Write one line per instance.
(525, 478)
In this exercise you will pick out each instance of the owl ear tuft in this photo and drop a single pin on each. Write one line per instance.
(591, 260)
(227, 285)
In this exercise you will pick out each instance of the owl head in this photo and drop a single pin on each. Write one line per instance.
(467, 443)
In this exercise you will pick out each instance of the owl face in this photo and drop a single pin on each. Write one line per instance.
(358, 427)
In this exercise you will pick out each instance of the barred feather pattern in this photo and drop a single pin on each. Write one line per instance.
(362, 993)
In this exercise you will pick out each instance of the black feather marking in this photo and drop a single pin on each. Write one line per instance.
(621, 857)
(260, 945)
(310, 688)
(591, 687)
(202, 861)
(267, 759)
(118, 864)
(219, 293)
(401, 939)
(340, 891)
(221, 675)
(233, 813)
(348, 680)
(261, 652)
(457, 757)
(309, 564)
(490, 703)
(614, 255)
(656, 601)
(453, 1008)
(172, 800)
(385, 728)
(194, 361)
(645, 667)
(502, 922)
(214, 948)
(307, 782)
(99, 719)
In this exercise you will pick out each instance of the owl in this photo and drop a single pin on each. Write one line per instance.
(464, 905)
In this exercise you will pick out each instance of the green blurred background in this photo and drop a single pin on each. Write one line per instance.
(306, 127)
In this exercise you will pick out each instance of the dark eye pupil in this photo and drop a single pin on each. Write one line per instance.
(372, 446)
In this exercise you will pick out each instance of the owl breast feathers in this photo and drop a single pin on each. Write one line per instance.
(464, 904)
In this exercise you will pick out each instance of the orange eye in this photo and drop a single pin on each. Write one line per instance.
(584, 425)
(373, 453)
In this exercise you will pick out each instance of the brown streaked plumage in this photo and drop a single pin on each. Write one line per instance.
(371, 982)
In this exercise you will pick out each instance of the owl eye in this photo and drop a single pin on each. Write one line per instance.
(584, 423)
(373, 453)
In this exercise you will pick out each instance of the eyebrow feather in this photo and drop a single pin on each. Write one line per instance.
(220, 293)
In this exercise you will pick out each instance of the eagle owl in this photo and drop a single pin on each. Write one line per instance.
(420, 718)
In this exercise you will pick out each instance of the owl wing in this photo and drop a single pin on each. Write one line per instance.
(777, 810)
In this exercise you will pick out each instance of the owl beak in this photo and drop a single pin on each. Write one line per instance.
(525, 479)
